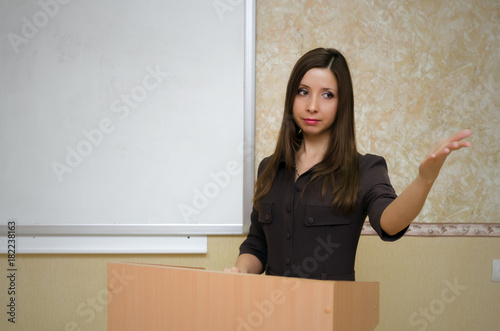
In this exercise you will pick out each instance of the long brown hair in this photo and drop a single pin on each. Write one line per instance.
(339, 168)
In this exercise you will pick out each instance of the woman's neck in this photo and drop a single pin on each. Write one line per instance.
(311, 152)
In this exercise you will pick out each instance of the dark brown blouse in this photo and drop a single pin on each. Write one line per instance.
(297, 233)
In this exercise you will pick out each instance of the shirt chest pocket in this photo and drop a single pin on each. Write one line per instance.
(323, 216)
(265, 212)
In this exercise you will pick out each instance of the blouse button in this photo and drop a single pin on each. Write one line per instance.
(287, 260)
(310, 220)
(298, 189)
(288, 235)
(267, 217)
(288, 208)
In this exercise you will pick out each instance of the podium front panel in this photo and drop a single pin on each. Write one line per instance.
(154, 297)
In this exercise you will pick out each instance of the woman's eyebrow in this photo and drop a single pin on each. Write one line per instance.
(324, 88)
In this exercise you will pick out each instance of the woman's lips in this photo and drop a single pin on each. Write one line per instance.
(311, 121)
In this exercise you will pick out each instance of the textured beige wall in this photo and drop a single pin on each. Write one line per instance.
(421, 70)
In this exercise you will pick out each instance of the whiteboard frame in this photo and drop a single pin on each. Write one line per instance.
(133, 238)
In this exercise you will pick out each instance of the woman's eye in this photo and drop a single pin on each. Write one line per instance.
(328, 95)
(302, 91)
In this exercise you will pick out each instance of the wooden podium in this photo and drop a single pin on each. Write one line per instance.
(155, 297)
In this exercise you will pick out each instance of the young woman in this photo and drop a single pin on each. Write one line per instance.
(313, 194)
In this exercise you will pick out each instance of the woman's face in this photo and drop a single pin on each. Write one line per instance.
(316, 101)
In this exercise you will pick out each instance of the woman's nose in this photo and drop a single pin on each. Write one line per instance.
(313, 104)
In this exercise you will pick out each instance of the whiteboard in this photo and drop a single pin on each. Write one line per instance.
(127, 117)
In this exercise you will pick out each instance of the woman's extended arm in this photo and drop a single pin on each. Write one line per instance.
(403, 210)
(247, 263)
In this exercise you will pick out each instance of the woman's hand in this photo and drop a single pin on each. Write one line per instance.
(246, 264)
(233, 270)
(403, 210)
(431, 165)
